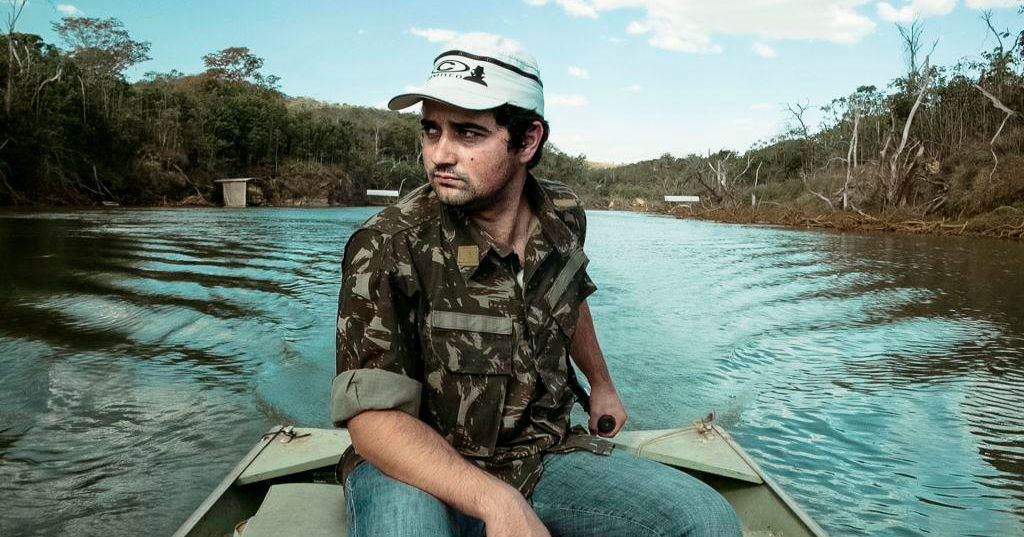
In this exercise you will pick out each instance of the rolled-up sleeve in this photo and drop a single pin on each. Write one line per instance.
(587, 285)
(377, 360)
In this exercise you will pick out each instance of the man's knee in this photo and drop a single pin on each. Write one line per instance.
(710, 515)
(689, 507)
(378, 505)
(668, 501)
(697, 510)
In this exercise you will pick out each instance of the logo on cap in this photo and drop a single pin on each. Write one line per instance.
(452, 68)
(477, 75)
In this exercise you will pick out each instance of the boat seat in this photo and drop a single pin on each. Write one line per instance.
(300, 510)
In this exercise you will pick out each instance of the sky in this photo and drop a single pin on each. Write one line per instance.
(625, 80)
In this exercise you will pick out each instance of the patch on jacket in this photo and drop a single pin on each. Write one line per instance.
(566, 203)
(469, 256)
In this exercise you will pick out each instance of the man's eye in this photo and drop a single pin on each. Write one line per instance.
(470, 135)
(430, 131)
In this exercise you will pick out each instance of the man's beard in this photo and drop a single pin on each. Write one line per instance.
(467, 198)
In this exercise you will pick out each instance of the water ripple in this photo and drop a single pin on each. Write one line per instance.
(879, 378)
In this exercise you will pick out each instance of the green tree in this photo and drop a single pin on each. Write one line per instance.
(238, 64)
(102, 47)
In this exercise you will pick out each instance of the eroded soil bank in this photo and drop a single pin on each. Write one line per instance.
(1005, 222)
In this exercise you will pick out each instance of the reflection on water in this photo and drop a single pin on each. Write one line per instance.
(143, 352)
(879, 377)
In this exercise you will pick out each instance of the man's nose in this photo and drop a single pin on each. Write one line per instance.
(444, 151)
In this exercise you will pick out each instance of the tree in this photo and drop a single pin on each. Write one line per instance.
(101, 47)
(237, 64)
(16, 7)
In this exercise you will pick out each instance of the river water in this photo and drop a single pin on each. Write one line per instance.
(879, 378)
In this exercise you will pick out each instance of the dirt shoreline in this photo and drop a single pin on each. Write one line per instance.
(1003, 223)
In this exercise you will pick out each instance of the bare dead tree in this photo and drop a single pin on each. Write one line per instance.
(819, 195)
(13, 14)
(721, 172)
(797, 110)
(898, 177)
(721, 177)
(992, 143)
(912, 43)
(56, 77)
(708, 186)
(753, 191)
(986, 16)
(376, 139)
(851, 159)
(1003, 58)
(189, 181)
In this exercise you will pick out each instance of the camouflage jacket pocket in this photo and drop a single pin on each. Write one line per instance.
(468, 377)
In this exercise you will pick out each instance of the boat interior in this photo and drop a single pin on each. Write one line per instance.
(286, 485)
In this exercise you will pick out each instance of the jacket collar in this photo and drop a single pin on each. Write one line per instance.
(470, 246)
(555, 230)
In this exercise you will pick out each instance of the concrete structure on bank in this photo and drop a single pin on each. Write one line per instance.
(382, 196)
(683, 199)
(234, 190)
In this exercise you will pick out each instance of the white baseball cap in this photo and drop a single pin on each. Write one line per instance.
(479, 71)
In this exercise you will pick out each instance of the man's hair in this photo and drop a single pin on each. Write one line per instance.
(519, 120)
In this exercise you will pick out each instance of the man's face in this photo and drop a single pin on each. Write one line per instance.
(466, 156)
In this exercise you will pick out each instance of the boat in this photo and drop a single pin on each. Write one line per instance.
(286, 484)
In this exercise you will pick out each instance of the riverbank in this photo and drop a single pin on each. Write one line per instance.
(1004, 222)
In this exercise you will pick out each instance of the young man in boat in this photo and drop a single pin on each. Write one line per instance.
(459, 309)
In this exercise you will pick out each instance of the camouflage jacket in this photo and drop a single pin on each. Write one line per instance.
(433, 321)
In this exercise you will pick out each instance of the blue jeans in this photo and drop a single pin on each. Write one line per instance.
(579, 495)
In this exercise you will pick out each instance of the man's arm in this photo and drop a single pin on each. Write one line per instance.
(408, 450)
(586, 352)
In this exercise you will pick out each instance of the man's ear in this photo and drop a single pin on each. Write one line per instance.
(531, 141)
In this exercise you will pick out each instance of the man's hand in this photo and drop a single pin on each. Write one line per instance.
(406, 449)
(509, 515)
(604, 400)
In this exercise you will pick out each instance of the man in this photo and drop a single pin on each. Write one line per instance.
(459, 309)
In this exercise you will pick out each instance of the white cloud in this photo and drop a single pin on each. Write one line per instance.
(914, 9)
(68, 10)
(435, 35)
(578, 8)
(557, 99)
(578, 72)
(990, 4)
(634, 88)
(413, 89)
(761, 107)
(611, 39)
(764, 51)
(689, 25)
(636, 28)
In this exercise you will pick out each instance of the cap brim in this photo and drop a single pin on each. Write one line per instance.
(460, 100)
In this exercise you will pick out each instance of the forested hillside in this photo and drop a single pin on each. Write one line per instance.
(940, 142)
(75, 132)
